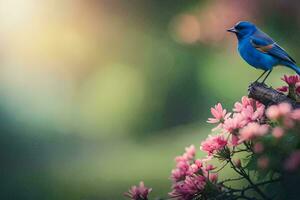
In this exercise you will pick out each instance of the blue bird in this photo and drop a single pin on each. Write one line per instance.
(259, 50)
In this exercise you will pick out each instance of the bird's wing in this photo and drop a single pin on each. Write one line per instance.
(265, 44)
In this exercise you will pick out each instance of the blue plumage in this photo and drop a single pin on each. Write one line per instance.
(259, 50)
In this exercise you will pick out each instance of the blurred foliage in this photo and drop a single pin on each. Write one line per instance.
(98, 94)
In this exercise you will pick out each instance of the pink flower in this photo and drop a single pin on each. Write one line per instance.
(195, 183)
(209, 167)
(233, 124)
(239, 106)
(199, 163)
(189, 177)
(253, 130)
(277, 132)
(189, 154)
(283, 89)
(187, 189)
(258, 147)
(296, 114)
(213, 177)
(288, 122)
(234, 140)
(180, 158)
(252, 114)
(298, 87)
(291, 80)
(213, 144)
(184, 165)
(292, 163)
(138, 192)
(274, 112)
(263, 162)
(219, 114)
(207, 158)
(177, 175)
(194, 169)
(249, 109)
(181, 170)
(245, 102)
(180, 174)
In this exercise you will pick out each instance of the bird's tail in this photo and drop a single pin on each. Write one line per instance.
(293, 66)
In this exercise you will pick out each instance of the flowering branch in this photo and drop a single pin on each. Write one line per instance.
(262, 131)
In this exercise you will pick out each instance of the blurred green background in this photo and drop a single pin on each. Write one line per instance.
(98, 95)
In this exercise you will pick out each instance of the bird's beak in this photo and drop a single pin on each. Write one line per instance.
(232, 30)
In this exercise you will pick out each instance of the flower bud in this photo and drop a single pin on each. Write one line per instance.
(277, 132)
(263, 162)
(237, 163)
(258, 147)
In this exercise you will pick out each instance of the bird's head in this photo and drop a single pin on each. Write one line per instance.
(242, 29)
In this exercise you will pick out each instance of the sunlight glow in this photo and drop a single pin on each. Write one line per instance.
(16, 12)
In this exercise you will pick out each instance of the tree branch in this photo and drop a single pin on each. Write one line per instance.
(269, 96)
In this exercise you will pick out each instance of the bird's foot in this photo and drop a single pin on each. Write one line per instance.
(258, 83)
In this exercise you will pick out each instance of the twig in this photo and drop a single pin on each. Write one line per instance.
(220, 168)
(242, 172)
(231, 179)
